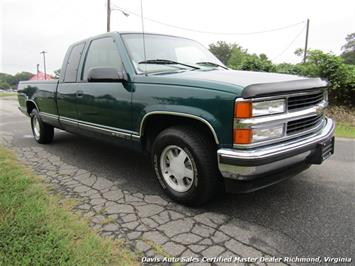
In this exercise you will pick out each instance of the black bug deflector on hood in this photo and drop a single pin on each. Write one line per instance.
(283, 87)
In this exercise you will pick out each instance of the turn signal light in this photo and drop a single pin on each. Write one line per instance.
(243, 110)
(242, 136)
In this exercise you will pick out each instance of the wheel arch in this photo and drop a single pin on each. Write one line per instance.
(30, 105)
(167, 119)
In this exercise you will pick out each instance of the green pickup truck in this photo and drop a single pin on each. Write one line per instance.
(206, 127)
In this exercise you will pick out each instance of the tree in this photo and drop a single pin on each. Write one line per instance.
(12, 81)
(22, 76)
(332, 68)
(299, 51)
(4, 85)
(257, 63)
(237, 57)
(9, 79)
(241, 59)
(287, 68)
(349, 49)
(57, 73)
(222, 50)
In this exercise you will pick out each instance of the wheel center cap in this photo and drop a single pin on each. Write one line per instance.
(176, 167)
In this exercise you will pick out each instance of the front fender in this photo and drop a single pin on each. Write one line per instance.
(212, 107)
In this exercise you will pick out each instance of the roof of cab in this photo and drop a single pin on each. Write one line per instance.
(122, 33)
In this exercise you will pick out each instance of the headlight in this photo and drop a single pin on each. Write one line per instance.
(248, 135)
(268, 107)
(261, 134)
(252, 109)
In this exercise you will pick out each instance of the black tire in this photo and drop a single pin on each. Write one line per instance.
(43, 133)
(202, 159)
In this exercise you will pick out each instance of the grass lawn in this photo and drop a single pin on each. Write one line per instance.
(35, 230)
(8, 94)
(344, 130)
(345, 120)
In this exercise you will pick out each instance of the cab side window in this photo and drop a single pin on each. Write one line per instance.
(73, 63)
(102, 53)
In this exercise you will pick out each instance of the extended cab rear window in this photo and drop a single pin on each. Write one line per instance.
(73, 63)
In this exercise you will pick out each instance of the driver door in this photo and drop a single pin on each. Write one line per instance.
(104, 107)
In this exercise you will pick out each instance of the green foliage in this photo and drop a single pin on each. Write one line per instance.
(242, 60)
(349, 57)
(287, 68)
(23, 76)
(257, 63)
(332, 68)
(4, 85)
(318, 64)
(8, 81)
(236, 57)
(349, 49)
(222, 50)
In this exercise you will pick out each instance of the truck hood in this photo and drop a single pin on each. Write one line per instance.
(233, 81)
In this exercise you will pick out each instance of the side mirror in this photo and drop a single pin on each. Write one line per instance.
(106, 74)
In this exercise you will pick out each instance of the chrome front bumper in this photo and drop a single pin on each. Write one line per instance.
(251, 163)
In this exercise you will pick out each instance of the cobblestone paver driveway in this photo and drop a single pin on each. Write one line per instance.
(148, 223)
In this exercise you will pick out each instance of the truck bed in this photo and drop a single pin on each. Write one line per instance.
(42, 93)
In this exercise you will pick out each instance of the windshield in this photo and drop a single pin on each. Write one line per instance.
(161, 49)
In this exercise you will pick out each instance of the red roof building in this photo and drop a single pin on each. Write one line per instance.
(40, 76)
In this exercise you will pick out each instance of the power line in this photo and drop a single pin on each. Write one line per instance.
(291, 43)
(208, 32)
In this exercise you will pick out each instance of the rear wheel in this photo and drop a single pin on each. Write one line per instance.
(186, 166)
(42, 132)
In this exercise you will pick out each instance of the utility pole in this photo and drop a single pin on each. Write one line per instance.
(37, 70)
(44, 63)
(108, 15)
(306, 44)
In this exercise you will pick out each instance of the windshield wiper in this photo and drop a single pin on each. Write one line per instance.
(166, 62)
(211, 64)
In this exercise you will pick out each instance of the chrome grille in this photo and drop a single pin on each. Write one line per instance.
(303, 101)
(303, 124)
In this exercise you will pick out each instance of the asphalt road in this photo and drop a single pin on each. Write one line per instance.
(314, 211)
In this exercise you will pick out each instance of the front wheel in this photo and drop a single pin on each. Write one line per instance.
(42, 132)
(185, 164)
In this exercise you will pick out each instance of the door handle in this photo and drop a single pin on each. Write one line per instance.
(79, 93)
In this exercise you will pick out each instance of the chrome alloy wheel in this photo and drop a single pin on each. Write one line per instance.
(176, 168)
(36, 127)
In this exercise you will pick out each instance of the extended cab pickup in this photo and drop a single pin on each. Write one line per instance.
(206, 127)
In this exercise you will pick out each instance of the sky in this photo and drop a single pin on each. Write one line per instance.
(29, 27)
